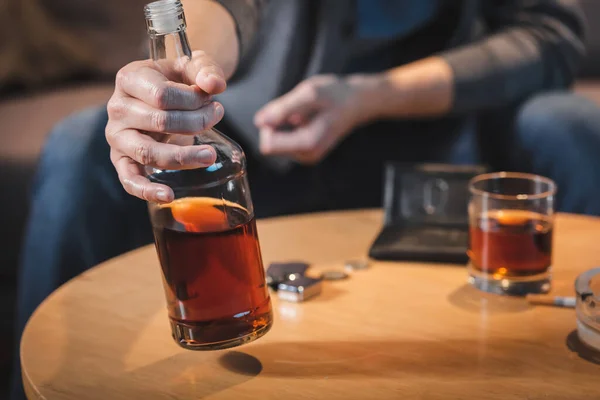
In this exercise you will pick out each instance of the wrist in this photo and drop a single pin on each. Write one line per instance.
(367, 89)
(420, 89)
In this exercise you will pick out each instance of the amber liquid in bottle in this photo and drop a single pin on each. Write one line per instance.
(212, 271)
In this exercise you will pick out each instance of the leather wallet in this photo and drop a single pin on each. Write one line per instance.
(426, 213)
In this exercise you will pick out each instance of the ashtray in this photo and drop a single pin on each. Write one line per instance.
(587, 287)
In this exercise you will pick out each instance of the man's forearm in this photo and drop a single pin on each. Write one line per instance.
(533, 46)
(211, 28)
(420, 89)
(536, 45)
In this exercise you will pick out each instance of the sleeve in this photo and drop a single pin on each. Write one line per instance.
(247, 16)
(533, 45)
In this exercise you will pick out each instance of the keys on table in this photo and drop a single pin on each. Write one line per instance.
(293, 281)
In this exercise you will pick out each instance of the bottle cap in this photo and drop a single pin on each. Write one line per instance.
(164, 16)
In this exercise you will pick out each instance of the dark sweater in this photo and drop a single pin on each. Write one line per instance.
(504, 50)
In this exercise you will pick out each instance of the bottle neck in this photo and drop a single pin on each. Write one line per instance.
(170, 46)
(167, 30)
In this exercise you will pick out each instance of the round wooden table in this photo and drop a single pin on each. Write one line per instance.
(396, 330)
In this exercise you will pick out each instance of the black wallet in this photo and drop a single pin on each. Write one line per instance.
(426, 213)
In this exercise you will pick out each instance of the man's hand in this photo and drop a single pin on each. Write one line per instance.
(322, 110)
(154, 98)
(318, 114)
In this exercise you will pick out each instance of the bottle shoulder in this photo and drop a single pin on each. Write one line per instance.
(229, 164)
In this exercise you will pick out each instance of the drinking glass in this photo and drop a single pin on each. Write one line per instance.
(511, 221)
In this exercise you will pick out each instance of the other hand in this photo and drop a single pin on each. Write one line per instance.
(309, 121)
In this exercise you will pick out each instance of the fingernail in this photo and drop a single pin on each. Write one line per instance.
(219, 111)
(208, 76)
(205, 155)
(163, 196)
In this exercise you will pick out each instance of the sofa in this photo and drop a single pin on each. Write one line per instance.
(28, 112)
(56, 57)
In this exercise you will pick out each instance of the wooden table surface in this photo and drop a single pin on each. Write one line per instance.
(397, 330)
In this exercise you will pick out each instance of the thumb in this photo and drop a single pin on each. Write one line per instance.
(293, 107)
(203, 71)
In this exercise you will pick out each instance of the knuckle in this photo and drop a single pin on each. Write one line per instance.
(144, 193)
(127, 185)
(200, 62)
(115, 108)
(144, 154)
(160, 121)
(198, 54)
(113, 159)
(110, 134)
(126, 73)
(179, 157)
(121, 77)
(162, 96)
(203, 121)
(138, 65)
(309, 90)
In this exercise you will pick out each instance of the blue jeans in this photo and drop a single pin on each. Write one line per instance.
(80, 215)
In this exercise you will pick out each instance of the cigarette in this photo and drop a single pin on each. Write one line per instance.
(558, 301)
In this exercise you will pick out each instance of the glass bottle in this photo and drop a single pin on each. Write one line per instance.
(206, 239)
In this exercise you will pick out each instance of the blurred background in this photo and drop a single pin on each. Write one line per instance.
(60, 56)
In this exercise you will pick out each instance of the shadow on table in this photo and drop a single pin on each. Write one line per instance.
(473, 300)
(193, 375)
(584, 352)
(444, 359)
(437, 363)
